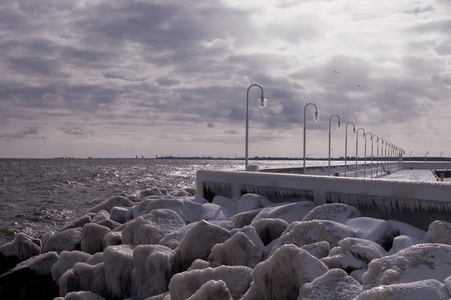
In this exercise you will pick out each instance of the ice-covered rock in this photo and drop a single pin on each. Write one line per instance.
(77, 223)
(244, 218)
(89, 278)
(154, 267)
(211, 211)
(401, 242)
(439, 232)
(118, 270)
(95, 259)
(337, 212)
(119, 214)
(151, 192)
(376, 230)
(417, 290)
(84, 295)
(302, 233)
(100, 216)
(187, 210)
(112, 202)
(353, 254)
(282, 274)
(212, 290)
(30, 278)
(269, 229)
(249, 202)
(318, 250)
(113, 238)
(244, 248)
(173, 239)
(418, 262)
(23, 247)
(224, 202)
(139, 209)
(92, 238)
(151, 227)
(415, 233)
(198, 242)
(66, 261)
(237, 279)
(289, 212)
(202, 264)
(63, 240)
(335, 284)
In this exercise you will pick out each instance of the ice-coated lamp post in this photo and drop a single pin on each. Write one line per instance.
(339, 124)
(425, 156)
(346, 144)
(377, 153)
(410, 155)
(371, 169)
(262, 102)
(357, 149)
(316, 118)
(441, 153)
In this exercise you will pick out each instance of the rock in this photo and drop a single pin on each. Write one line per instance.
(119, 214)
(418, 262)
(318, 250)
(173, 239)
(401, 242)
(85, 277)
(154, 267)
(211, 211)
(269, 229)
(66, 261)
(212, 290)
(249, 202)
(335, 284)
(237, 279)
(198, 242)
(151, 227)
(30, 278)
(244, 248)
(376, 230)
(224, 202)
(289, 212)
(439, 232)
(417, 290)
(113, 238)
(118, 270)
(282, 274)
(92, 238)
(81, 296)
(187, 210)
(22, 247)
(78, 223)
(337, 212)
(112, 202)
(69, 239)
(244, 218)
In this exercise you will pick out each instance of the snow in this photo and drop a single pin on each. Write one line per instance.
(180, 247)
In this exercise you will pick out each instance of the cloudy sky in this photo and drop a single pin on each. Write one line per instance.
(116, 78)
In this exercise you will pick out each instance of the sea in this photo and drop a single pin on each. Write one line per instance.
(41, 195)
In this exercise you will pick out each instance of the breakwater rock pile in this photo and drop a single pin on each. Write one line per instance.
(156, 245)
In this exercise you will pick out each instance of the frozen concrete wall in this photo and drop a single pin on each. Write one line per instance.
(387, 198)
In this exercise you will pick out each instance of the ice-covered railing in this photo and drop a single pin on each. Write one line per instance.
(386, 195)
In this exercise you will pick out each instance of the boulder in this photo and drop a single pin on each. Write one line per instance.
(289, 212)
(439, 232)
(69, 239)
(337, 212)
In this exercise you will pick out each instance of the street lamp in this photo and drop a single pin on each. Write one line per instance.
(371, 152)
(262, 102)
(410, 153)
(441, 152)
(425, 155)
(339, 124)
(346, 144)
(377, 153)
(357, 149)
(316, 118)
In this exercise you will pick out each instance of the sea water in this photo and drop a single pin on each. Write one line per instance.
(40, 195)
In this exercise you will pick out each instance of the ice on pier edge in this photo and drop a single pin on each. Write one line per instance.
(154, 246)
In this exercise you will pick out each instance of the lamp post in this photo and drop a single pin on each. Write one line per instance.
(410, 153)
(357, 149)
(346, 144)
(339, 124)
(371, 152)
(441, 152)
(425, 156)
(262, 102)
(377, 153)
(315, 117)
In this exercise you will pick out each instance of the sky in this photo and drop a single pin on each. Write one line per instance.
(119, 78)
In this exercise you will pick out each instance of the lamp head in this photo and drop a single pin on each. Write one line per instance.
(316, 116)
(262, 102)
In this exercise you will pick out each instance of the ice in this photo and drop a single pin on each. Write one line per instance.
(187, 210)
(151, 227)
(244, 248)
(244, 218)
(112, 202)
(289, 212)
(211, 211)
(269, 229)
(335, 284)
(92, 278)
(337, 212)
(249, 202)
(212, 290)
(237, 278)
(23, 247)
(318, 250)
(376, 230)
(439, 232)
(154, 267)
(418, 290)
(283, 273)
(77, 223)
(66, 261)
(113, 238)
(92, 238)
(64, 240)
(118, 270)
(81, 296)
(198, 242)
(418, 262)
(119, 214)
